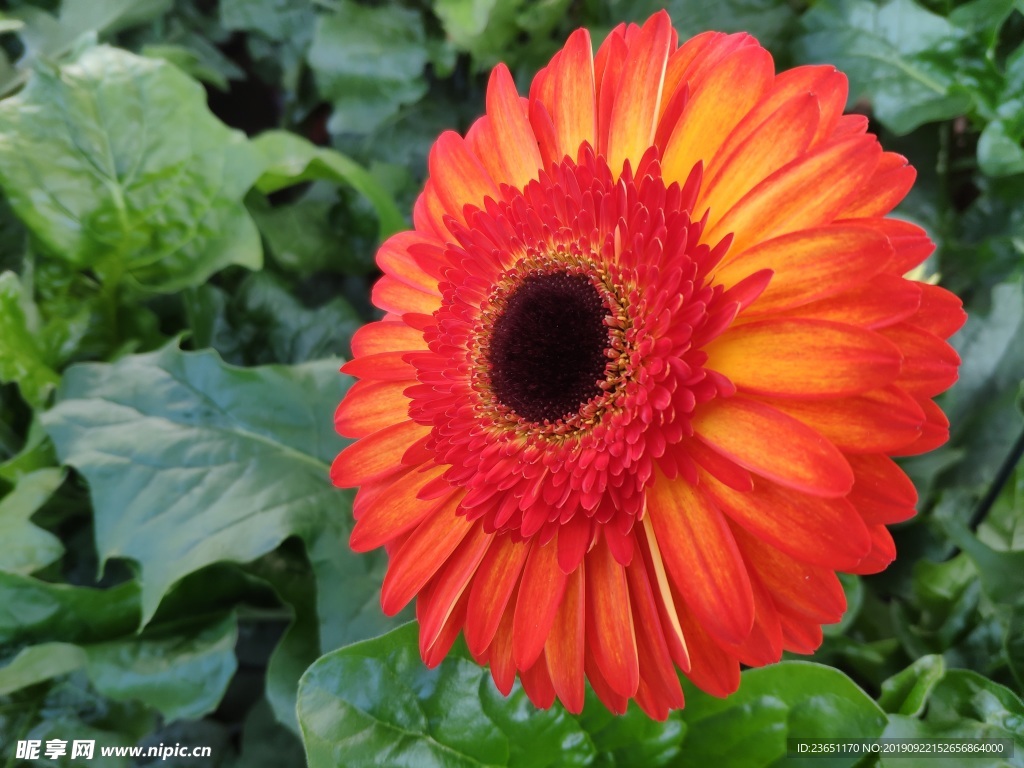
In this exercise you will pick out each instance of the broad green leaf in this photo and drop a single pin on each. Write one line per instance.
(965, 705)
(280, 32)
(180, 665)
(34, 611)
(266, 743)
(368, 62)
(982, 406)
(891, 54)
(236, 460)
(770, 21)
(485, 29)
(21, 359)
(789, 700)
(353, 613)
(183, 675)
(264, 323)
(632, 739)
(26, 547)
(47, 37)
(907, 693)
(34, 454)
(376, 703)
(115, 163)
(38, 664)
(288, 159)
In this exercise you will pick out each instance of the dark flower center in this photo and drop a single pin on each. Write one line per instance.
(547, 348)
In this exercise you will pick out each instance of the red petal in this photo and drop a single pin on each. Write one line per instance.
(436, 604)
(934, 433)
(395, 511)
(882, 301)
(376, 456)
(929, 363)
(882, 492)
(495, 582)
(537, 684)
(458, 177)
(423, 554)
(540, 592)
(714, 670)
(796, 587)
(892, 180)
(941, 311)
(883, 552)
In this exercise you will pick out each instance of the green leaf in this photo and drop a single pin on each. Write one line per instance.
(182, 675)
(632, 739)
(965, 705)
(38, 664)
(22, 360)
(982, 406)
(264, 323)
(288, 159)
(26, 547)
(368, 62)
(115, 163)
(899, 55)
(792, 699)
(375, 703)
(33, 611)
(235, 462)
(908, 692)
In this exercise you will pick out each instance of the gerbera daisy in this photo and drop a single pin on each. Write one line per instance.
(647, 355)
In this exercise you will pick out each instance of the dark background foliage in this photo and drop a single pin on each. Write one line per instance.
(192, 195)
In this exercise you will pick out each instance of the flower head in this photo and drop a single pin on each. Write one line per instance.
(647, 355)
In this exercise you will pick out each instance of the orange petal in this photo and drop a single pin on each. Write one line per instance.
(662, 588)
(702, 558)
(564, 650)
(495, 582)
(638, 100)
(436, 605)
(515, 144)
(370, 406)
(911, 244)
(659, 690)
(796, 587)
(804, 358)
(825, 532)
(714, 108)
(540, 592)
(882, 301)
(573, 102)
(386, 336)
(610, 637)
(809, 265)
(608, 73)
(393, 296)
(396, 511)
(376, 455)
(781, 138)
(880, 421)
(423, 554)
(808, 192)
(387, 366)
(457, 176)
(773, 445)
(892, 180)
(434, 654)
